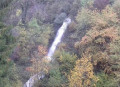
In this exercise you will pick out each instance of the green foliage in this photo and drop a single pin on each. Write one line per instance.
(66, 61)
(83, 3)
(28, 42)
(88, 19)
(10, 78)
(115, 57)
(39, 33)
(86, 3)
(115, 50)
(4, 8)
(116, 7)
(6, 43)
(34, 36)
(84, 18)
(101, 42)
(105, 80)
(59, 69)
(33, 23)
(55, 78)
(8, 75)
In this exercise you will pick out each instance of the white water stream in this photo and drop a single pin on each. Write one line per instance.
(57, 40)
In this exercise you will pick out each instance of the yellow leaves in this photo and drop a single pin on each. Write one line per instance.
(95, 19)
(98, 39)
(82, 75)
(109, 14)
(100, 25)
(76, 44)
(96, 43)
(39, 65)
(106, 18)
(116, 7)
(86, 39)
(18, 12)
(112, 33)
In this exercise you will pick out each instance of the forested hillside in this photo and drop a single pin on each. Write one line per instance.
(87, 56)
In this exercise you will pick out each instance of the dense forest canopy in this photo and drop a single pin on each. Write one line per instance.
(88, 55)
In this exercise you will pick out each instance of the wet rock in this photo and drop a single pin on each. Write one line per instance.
(60, 18)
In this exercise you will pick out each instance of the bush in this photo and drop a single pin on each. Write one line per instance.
(83, 19)
(55, 78)
(66, 61)
(72, 26)
(116, 7)
(105, 80)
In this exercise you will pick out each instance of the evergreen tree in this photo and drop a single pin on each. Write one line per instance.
(8, 75)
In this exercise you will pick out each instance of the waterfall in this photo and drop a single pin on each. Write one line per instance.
(57, 40)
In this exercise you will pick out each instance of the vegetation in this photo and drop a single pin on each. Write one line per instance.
(88, 56)
(8, 74)
(82, 75)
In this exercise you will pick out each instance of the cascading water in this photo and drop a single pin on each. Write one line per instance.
(57, 40)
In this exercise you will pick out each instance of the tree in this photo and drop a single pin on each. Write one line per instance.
(55, 79)
(29, 39)
(101, 42)
(66, 61)
(82, 75)
(8, 75)
(116, 7)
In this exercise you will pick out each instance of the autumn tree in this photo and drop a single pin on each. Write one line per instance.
(101, 42)
(82, 75)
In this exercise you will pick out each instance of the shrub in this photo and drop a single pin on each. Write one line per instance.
(83, 19)
(72, 26)
(66, 61)
(116, 7)
(55, 78)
